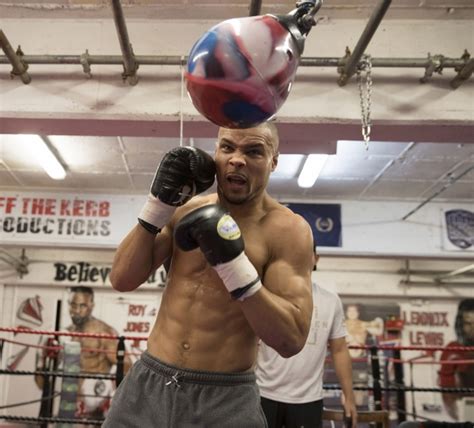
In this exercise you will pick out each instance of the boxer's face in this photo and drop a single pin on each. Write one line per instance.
(80, 308)
(352, 312)
(468, 326)
(244, 160)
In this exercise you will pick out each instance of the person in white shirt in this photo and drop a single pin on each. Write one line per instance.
(291, 389)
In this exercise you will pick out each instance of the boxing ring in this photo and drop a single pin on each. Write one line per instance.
(387, 388)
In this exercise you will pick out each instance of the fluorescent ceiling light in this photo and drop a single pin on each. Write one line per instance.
(311, 170)
(288, 166)
(378, 148)
(45, 157)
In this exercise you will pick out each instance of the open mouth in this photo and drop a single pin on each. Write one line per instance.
(236, 179)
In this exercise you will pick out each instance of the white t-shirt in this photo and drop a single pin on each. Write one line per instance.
(299, 379)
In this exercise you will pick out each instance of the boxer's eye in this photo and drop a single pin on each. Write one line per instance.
(78, 306)
(255, 152)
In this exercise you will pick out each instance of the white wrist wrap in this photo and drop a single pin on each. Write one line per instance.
(240, 277)
(156, 212)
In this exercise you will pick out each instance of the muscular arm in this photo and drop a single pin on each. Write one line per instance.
(110, 348)
(450, 404)
(447, 379)
(180, 170)
(343, 365)
(280, 312)
(137, 256)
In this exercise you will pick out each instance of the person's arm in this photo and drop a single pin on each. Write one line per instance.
(109, 346)
(280, 312)
(137, 256)
(183, 172)
(40, 359)
(39, 379)
(450, 404)
(343, 365)
(279, 309)
(447, 379)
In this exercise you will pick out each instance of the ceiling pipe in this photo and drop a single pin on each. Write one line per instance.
(433, 274)
(458, 272)
(181, 60)
(255, 7)
(352, 62)
(17, 62)
(130, 64)
(432, 284)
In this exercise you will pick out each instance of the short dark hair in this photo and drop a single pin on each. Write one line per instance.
(84, 290)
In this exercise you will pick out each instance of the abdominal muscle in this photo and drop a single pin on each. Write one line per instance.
(199, 326)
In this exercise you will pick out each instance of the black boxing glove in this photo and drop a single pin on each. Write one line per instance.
(183, 173)
(218, 236)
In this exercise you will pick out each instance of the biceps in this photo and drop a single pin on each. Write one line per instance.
(285, 281)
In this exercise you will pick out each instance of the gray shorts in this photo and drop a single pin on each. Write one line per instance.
(155, 394)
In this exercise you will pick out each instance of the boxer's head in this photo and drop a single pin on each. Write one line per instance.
(352, 311)
(81, 304)
(244, 160)
(464, 324)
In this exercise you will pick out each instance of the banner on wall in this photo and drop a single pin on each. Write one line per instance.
(446, 326)
(458, 230)
(83, 309)
(325, 222)
(49, 218)
(64, 273)
(22, 351)
(366, 325)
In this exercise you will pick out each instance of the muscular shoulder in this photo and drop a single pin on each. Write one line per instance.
(287, 232)
(99, 326)
(286, 224)
(448, 350)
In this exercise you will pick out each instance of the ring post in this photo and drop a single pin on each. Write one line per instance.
(120, 358)
(375, 365)
(398, 369)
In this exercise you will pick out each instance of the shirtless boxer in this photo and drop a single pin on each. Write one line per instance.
(97, 355)
(458, 375)
(220, 298)
(358, 330)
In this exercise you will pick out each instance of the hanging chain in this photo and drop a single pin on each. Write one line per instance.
(364, 80)
(181, 102)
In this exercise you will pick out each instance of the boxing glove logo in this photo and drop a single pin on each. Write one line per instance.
(227, 228)
(186, 193)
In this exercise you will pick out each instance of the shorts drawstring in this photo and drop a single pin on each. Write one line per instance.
(174, 379)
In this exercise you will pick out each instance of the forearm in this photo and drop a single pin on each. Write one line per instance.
(281, 324)
(449, 401)
(111, 352)
(183, 172)
(133, 261)
(39, 380)
(343, 366)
